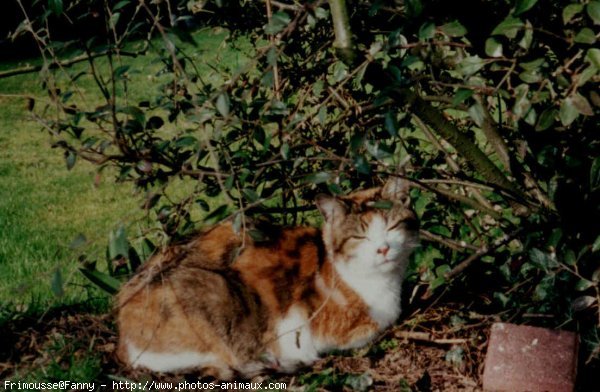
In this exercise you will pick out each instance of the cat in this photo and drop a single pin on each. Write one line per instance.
(229, 305)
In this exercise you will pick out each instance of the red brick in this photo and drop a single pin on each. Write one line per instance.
(523, 358)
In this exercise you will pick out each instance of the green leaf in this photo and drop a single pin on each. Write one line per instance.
(531, 116)
(582, 105)
(340, 71)
(117, 243)
(568, 112)
(539, 258)
(596, 274)
(585, 36)
(56, 6)
(595, 98)
(272, 57)
(217, 214)
(186, 141)
(530, 76)
(442, 270)
(278, 22)
(533, 65)
(523, 5)
(470, 65)
(522, 103)
(593, 11)
(222, 104)
(541, 291)
(593, 56)
(477, 113)
(583, 284)
(148, 247)
(57, 284)
(268, 79)
(570, 258)
(318, 178)
(375, 149)
(321, 13)
(502, 298)
(120, 5)
(461, 95)
(509, 27)
(104, 281)
(229, 182)
(122, 70)
(441, 230)
(250, 195)
(453, 29)
(318, 88)
(527, 39)
(391, 125)
(114, 19)
(570, 11)
(493, 48)
(595, 178)
(583, 302)
(381, 204)
(133, 111)
(362, 165)
(203, 204)
(437, 282)
(414, 8)
(426, 31)
(546, 119)
(586, 75)
(335, 189)
(285, 151)
(322, 115)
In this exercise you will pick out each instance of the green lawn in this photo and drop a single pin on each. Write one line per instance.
(44, 206)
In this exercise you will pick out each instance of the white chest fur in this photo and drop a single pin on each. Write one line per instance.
(379, 291)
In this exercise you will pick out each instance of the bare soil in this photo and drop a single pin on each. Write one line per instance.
(437, 349)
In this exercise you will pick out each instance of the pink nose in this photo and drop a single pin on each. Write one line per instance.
(383, 250)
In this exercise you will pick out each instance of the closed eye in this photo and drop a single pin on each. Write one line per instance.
(350, 238)
(395, 225)
(357, 237)
(364, 224)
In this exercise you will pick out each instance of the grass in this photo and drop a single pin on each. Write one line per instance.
(43, 206)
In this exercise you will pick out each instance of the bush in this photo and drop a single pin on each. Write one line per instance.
(491, 114)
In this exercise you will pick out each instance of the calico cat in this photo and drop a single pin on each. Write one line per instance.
(229, 305)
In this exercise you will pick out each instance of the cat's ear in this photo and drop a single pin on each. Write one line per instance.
(396, 189)
(331, 208)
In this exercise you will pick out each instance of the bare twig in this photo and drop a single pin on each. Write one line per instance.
(463, 265)
(274, 41)
(283, 6)
(67, 63)
(452, 244)
(428, 337)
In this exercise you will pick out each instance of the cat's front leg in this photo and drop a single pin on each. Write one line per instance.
(295, 342)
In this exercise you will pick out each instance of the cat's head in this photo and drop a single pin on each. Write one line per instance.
(375, 229)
